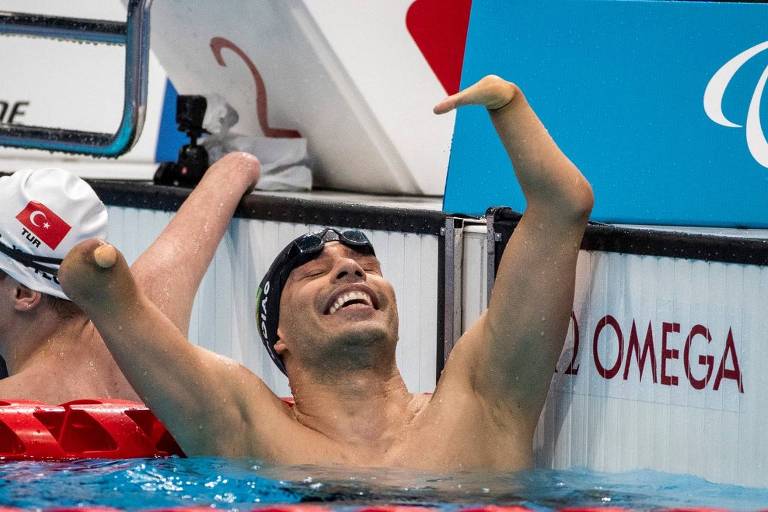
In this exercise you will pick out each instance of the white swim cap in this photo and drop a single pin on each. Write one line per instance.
(43, 214)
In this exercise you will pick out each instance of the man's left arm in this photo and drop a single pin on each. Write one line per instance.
(507, 358)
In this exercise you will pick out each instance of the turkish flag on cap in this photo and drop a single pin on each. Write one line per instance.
(49, 227)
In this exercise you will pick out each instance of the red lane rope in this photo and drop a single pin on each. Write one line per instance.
(115, 429)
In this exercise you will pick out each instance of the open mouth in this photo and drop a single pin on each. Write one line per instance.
(350, 299)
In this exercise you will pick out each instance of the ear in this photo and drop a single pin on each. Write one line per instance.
(26, 299)
(280, 345)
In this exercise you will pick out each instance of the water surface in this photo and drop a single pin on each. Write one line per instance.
(241, 484)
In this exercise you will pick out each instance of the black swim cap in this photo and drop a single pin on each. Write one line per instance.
(301, 250)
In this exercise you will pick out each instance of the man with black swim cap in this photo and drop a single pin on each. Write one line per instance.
(338, 328)
(297, 253)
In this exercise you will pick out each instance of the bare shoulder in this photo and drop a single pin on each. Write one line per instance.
(237, 402)
(458, 378)
(464, 430)
(455, 394)
(37, 386)
(462, 395)
(15, 387)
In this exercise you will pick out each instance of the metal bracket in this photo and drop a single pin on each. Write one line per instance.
(497, 240)
(454, 249)
(134, 34)
(453, 281)
(491, 239)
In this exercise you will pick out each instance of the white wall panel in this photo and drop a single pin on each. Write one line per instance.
(616, 419)
(474, 274)
(621, 424)
(223, 316)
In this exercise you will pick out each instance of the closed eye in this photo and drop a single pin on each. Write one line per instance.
(313, 273)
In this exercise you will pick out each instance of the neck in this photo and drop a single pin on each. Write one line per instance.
(365, 407)
(42, 336)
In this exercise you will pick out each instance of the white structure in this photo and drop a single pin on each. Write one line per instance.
(350, 80)
(87, 93)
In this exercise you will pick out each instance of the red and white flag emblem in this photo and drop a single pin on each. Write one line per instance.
(46, 225)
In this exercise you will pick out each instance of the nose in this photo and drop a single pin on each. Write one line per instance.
(348, 270)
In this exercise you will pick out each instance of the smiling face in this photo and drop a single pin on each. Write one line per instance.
(337, 312)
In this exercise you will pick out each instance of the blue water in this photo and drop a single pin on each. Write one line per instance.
(240, 484)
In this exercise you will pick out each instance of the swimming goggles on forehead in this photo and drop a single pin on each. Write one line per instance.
(308, 246)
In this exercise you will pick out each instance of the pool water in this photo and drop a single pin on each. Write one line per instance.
(240, 484)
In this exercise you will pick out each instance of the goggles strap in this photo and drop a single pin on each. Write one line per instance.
(31, 261)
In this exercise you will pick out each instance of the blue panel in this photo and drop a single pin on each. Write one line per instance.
(620, 85)
(169, 138)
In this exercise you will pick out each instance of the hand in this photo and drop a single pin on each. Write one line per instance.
(492, 92)
(241, 164)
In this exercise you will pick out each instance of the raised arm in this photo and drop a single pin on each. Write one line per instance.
(170, 270)
(507, 358)
(207, 401)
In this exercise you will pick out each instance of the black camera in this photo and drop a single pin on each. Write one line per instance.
(193, 159)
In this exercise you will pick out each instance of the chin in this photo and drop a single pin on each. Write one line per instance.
(352, 346)
(362, 334)
(363, 341)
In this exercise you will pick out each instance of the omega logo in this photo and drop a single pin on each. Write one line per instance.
(713, 102)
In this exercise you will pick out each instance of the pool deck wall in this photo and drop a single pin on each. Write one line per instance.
(688, 309)
(223, 315)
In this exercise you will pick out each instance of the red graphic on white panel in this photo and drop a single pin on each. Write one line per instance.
(439, 29)
(45, 224)
(217, 45)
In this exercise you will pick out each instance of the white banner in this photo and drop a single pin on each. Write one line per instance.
(662, 369)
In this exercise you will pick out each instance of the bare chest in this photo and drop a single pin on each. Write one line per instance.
(432, 442)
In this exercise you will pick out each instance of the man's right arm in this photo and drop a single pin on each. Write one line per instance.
(207, 401)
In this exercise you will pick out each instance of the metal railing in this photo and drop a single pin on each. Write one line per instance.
(133, 34)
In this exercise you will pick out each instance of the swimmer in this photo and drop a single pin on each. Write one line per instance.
(337, 329)
(53, 352)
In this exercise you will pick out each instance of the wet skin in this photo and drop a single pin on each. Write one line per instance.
(352, 406)
(56, 359)
(97, 277)
(318, 336)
